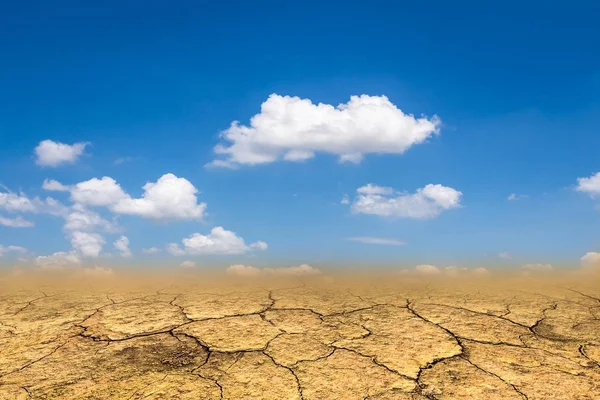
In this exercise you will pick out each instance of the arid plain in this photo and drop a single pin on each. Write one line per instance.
(373, 336)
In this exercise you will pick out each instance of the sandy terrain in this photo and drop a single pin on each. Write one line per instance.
(381, 338)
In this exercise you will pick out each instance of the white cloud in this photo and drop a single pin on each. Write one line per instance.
(481, 271)
(345, 200)
(9, 249)
(248, 270)
(514, 196)
(88, 244)
(260, 245)
(83, 219)
(218, 241)
(151, 250)
(303, 269)
(59, 259)
(505, 255)
(187, 264)
(122, 244)
(375, 240)
(13, 202)
(295, 129)
(242, 270)
(122, 160)
(427, 269)
(589, 185)
(52, 154)
(590, 259)
(16, 222)
(169, 198)
(427, 202)
(54, 185)
(537, 267)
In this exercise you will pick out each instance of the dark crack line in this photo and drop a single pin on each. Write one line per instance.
(515, 388)
(299, 386)
(582, 294)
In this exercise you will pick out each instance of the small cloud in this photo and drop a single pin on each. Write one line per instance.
(242, 270)
(505, 255)
(57, 260)
(187, 264)
(9, 249)
(481, 271)
(122, 160)
(589, 185)
(345, 199)
(514, 196)
(151, 250)
(537, 267)
(54, 185)
(259, 246)
(16, 222)
(427, 269)
(590, 259)
(218, 241)
(375, 240)
(122, 244)
(52, 154)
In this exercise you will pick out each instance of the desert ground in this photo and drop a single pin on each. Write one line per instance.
(322, 337)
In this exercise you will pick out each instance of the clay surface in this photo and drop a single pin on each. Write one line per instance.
(313, 338)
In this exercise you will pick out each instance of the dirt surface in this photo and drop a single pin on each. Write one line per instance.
(383, 338)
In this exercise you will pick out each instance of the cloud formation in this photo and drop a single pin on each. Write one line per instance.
(11, 249)
(169, 198)
(151, 250)
(590, 259)
(52, 154)
(589, 185)
(250, 271)
(187, 264)
(87, 244)
(427, 202)
(57, 260)
(16, 222)
(294, 129)
(218, 241)
(122, 244)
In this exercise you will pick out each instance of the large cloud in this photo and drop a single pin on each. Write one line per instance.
(294, 129)
(52, 154)
(218, 241)
(169, 198)
(427, 202)
(589, 185)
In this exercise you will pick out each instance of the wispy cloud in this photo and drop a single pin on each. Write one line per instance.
(376, 240)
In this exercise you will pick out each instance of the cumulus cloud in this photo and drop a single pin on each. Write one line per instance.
(87, 244)
(51, 154)
(151, 250)
(375, 240)
(122, 244)
(248, 270)
(590, 259)
(169, 198)
(83, 219)
(589, 185)
(16, 222)
(428, 202)
(57, 260)
(294, 129)
(54, 185)
(13, 202)
(242, 270)
(427, 269)
(218, 241)
(187, 264)
(9, 249)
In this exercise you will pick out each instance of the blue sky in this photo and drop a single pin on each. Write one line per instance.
(516, 87)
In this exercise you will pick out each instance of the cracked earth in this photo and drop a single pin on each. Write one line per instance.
(377, 339)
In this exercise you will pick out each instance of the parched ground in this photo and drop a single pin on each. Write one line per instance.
(314, 338)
